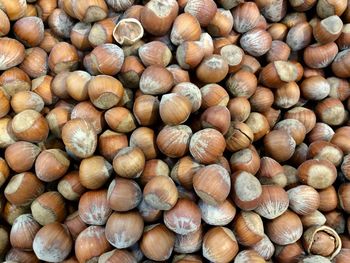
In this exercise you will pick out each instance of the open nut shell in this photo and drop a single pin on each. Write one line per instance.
(310, 233)
(128, 31)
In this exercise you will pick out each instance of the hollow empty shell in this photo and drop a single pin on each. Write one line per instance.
(128, 31)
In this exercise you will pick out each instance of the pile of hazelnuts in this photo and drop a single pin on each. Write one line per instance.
(179, 131)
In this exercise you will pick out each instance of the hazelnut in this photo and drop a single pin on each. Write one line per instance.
(294, 128)
(319, 174)
(129, 162)
(290, 252)
(52, 243)
(179, 74)
(6, 135)
(74, 224)
(26, 100)
(124, 229)
(304, 115)
(320, 56)
(285, 142)
(15, 80)
(343, 196)
(328, 8)
(49, 207)
(174, 109)
(120, 119)
(278, 31)
(31, 24)
(5, 24)
(77, 85)
(49, 41)
(328, 199)
(212, 69)
(245, 160)
(60, 23)
(94, 172)
(109, 143)
(157, 242)
(104, 59)
(285, 229)
(238, 137)
(265, 248)
(273, 202)
(278, 51)
(271, 172)
(288, 95)
(123, 195)
(90, 11)
(322, 150)
(93, 207)
(79, 137)
(23, 232)
(212, 184)
(104, 91)
(315, 218)
(79, 36)
(148, 213)
(91, 243)
(315, 88)
(242, 84)
(321, 132)
(122, 255)
(180, 30)
(217, 215)
(246, 17)
(340, 138)
(18, 192)
(45, 8)
(277, 73)
(20, 156)
(239, 108)
(189, 54)
(20, 255)
(219, 245)
(157, 16)
(70, 186)
(250, 255)
(221, 24)
(204, 11)
(183, 171)
(173, 141)
(256, 42)
(189, 243)
(339, 65)
(144, 138)
(331, 111)
(207, 145)
(4, 171)
(246, 190)
(303, 199)
(299, 36)
(146, 109)
(155, 53)
(11, 212)
(63, 57)
(156, 80)
(13, 53)
(258, 124)
(51, 164)
(190, 91)
(160, 193)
